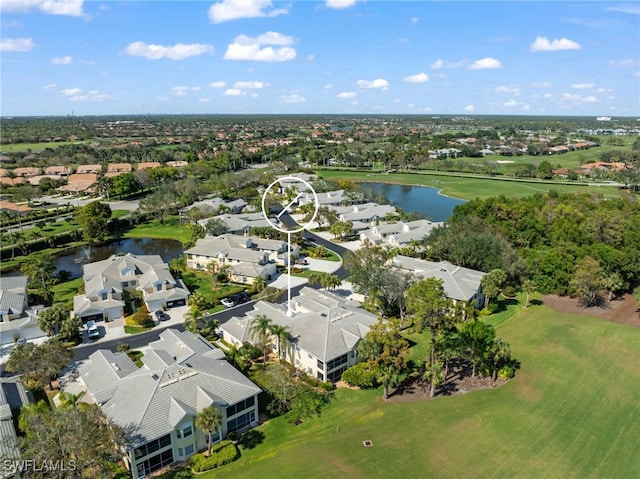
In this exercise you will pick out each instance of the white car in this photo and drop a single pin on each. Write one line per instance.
(228, 302)
(92, 330)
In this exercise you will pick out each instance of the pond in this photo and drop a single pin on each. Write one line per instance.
(73, 260)
(417, 199)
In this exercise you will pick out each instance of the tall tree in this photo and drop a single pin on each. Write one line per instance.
(192, 319)
(476, 340)
(209, 420)
(259, 330)
(49, 319)
(94, 219)
(281, 333)
(39, 364)
(432, 312)
(81, 436)
(491, 284)
(40, 269)
(529, 287)
(587, 281)
(385, 350)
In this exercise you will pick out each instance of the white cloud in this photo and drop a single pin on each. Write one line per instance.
(470, 108)
(440, 64)
(414, 20)
(87, 62)
(339, 4)
(627, 62)
(234, 9)
(487, 63)
(234, 92)
(378, 83)
(328, 86)
(510, 104)
(49, 86)
(217, 84)
(311, 57)
(71, 8)
(347, 94)
(293, 98)
(16, 44)
(180, 90)
(542, 44)
(589, 99)
(508, 89)
(247, 48)
(417, 78)
(582, 86)
(204, 100)
(196, 88)
(61, 60)
(250, 84)
(633, 9)
(542, 84)
(91, 95)
(577, 99)
(71, 91)
(11, 24)
(179, 51)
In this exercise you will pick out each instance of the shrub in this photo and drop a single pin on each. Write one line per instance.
(506, 372)
(509, 291)
(140, 318)
(123, 347)
(360, 375)
(221, 454)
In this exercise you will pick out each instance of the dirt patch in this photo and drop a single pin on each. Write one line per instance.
(621, 310)
(459, 382)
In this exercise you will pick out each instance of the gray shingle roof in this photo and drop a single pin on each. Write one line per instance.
(459, 283)
(149, 401)
(323, 324)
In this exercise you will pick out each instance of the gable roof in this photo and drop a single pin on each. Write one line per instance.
(459, 283)
(150, 401)
(323, 324)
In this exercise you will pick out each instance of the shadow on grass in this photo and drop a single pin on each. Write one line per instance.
(251, 439)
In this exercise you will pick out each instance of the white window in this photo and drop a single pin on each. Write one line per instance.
(133, 282)
(104, 296)
(187, 431)
(125, 284)
(310, 355)
(180, 452)
(188, 450)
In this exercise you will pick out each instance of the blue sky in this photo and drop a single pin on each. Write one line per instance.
(332, 56)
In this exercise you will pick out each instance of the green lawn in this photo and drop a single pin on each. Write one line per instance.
(171, 229)
(64, 292)
(465, 187)
(198, 281)
(36, 146)
(570, 412)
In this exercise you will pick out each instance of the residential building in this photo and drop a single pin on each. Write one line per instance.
(89, 169)
(60, 170)
(216, 205)
(327, 198)
(12, 397)
(240, 224)
(325, 330)
(80, 183)
(13, 297)
(246, 256)
(27, 171)
(159, 402)
(459, 283)
(116, 169)
(148, 165)
(398, 235)
(13, 208)
(105, 282)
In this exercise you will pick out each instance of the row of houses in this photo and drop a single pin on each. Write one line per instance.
(82, 180)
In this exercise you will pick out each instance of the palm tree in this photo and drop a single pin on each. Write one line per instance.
(259, 330)
(499, 352)
(235, 356)
(529, 287)
(259, 284)
(209, 327)
(69, 400)
(214, 268)
(209, 420)
(282, 334)
(192, 319)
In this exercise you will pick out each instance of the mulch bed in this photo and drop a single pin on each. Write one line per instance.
(621, 310)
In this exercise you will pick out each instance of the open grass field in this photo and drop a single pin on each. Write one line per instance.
(570, 412)
(153, 229)
(467, 188)
(36, 146)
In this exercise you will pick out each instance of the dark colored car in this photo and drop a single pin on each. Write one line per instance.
(162, 316)
(242, 297)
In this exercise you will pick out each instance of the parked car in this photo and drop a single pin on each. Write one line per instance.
(228, 302)
(301, 261)
(244, 297)
(92, 330)
(162, 316)
(21, 341)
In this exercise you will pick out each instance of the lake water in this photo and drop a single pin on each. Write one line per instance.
(73, 260)
(417, 199)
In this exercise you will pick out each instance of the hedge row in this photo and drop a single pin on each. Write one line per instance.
(221, 454)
